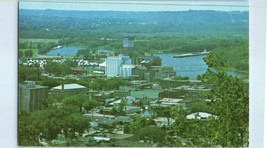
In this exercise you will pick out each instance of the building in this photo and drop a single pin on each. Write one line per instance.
(68, 89)
(199, 115)
(147, 61)
(114, 66)
(105, 52)
(171, 83)
(121, 93)
(147, 93)
(170, 101)
(172, 94)
(165, 72)
(163, 121)
(128, 42)
(147, 114)
(126, 70)
(139, 72)
(32, 96)
(128, 45)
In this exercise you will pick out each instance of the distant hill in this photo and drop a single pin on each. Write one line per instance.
(191, 21)
(191, 16)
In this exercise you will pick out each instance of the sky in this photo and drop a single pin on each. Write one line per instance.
(91, 5)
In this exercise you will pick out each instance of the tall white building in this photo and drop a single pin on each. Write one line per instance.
(126, 70)
(114, 65)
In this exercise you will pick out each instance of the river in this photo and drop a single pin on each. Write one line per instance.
(189, 66)
(64, 51)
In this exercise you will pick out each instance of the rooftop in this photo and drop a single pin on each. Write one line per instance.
(199, 115)
(69, 86)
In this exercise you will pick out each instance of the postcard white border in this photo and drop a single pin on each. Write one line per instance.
(8, 74)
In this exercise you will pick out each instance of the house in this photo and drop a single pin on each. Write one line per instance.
(130, 99)
(170, 101)
(147, 114)
(115, 103)
(199, 115)
(94, 124)
(123, 119)
(132, 109)
(78, 70)
(163, 121)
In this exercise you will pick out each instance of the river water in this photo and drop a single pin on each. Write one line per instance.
(188, 66)
(65, 51)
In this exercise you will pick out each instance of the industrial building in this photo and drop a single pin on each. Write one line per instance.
(114, 66)
(68, 89)
(32, 96)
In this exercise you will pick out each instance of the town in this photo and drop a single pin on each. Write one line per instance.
(147, 91)
(132, 78)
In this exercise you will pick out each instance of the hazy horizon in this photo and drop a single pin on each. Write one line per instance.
(134, 6)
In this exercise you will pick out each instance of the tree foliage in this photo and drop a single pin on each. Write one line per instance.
(27, 73)
(230, 102)
(49, 123)
(154, 134)
(76, 100)
(89, 104)
(27, 133)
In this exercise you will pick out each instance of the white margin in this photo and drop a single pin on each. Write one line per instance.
(8, 74)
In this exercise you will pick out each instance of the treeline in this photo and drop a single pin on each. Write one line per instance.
(41, 46)
(235, 56)
(25, 53)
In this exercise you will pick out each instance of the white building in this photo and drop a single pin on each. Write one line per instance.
(114, 66)
(126, 70)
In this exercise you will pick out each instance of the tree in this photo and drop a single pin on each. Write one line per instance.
(27, 73)
(199, 107)
(21, 53)
(167, 114)
(50, 123)
(76, 123)
(76, 100)
(89, 104)
(156, 61)
(28, 53)
(27, 132)
(154, 134)
(230, 102)
(126, 129)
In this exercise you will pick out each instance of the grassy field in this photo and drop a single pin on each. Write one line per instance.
(35, 51)
(34, 40)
